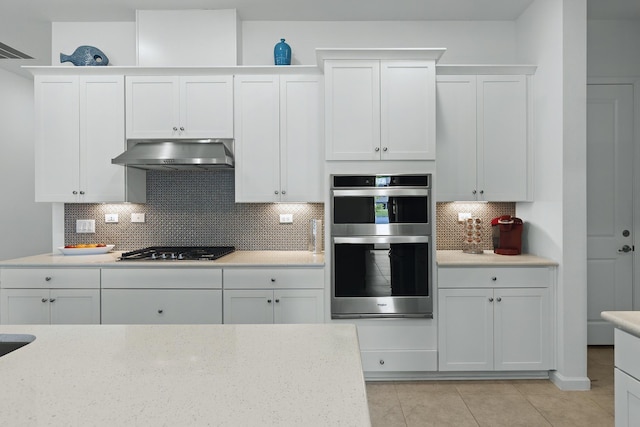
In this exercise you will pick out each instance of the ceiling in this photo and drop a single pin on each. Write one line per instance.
(25, 24)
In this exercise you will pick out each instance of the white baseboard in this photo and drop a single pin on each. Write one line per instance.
(570, 383)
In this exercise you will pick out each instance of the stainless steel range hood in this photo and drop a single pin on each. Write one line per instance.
(177, 154)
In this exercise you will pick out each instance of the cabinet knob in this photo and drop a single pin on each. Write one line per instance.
(494, 279)
(490, 299)
(382, 361)
(499, 299)
(474, 192)
(273, 279)
(48, 278)
(385, 149)
(481, 191)
(52, 299)
(284, 192)
(269, 301)
(160, 311)
(74, 192)
(81, 192)
(175, 128)
(181, 128)
(377, 149)
(277, 300)
(44, 300)
(276, 192)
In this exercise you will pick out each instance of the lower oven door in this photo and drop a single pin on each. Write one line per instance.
(381, 276)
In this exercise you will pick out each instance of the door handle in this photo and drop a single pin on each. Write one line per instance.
(626, 248)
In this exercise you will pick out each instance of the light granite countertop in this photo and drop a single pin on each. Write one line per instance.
(628, 321)
(180, 375)
(237, 259)
(488, 258)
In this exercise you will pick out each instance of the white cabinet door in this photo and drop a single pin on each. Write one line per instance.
(75, 306)
(101, 139)
(298, 306)
(161, 306)
(522, 332)
(24, 306)
(248, 306)
(257, 146)
(407, 110)
(465, 338)
(206, 107)
(627, 399)
(57, 143)
(456, 138)
(301, 145)
(153, 107)
(503, 164)
(352, 110)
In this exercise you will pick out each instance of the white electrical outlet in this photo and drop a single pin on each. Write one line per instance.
(111, 217)
(137, 217)
(286, 218)
(463, 216)
(85, 226)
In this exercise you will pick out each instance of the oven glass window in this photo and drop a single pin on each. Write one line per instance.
(381, 270)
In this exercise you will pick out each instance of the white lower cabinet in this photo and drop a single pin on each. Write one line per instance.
(627, 379)
(269, 295)
(50, 296)
(161, 295)
(494, 328)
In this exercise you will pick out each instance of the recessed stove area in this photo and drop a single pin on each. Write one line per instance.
(177, 253)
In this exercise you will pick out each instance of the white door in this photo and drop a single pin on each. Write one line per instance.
(75, 306)
(25, 307)
(298, 306)
(153, 107)
(206, 107)
(609, 206)
(248, 306)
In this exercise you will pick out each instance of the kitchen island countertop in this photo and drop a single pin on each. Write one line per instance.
(237, 258)
(457, 258)
(220, 375)
(628, 321)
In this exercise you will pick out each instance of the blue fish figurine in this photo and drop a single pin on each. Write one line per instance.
(85, 56)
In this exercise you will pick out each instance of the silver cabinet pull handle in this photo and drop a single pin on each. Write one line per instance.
(81, 192)
(48, 278)
(275, 192)
(277, 300)
(499, 299)
(481, 191)
(474, 192)
(74, 192)
(44, 300)
(494, 278)
(273, 279)
(175, 128)
(382, 361)
(52, 299)
(385, 149)
(284, 192)
(160, 311)
(269, 301)
(491, 299)
(181, 128)
(377, 149)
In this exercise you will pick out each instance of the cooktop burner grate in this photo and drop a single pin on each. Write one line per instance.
(177, 253)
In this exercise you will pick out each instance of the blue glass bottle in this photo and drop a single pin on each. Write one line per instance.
(282, 53)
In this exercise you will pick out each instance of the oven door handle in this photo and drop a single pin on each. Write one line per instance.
(376, 192)
(381, 239)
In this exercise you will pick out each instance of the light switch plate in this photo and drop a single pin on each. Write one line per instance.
(111, 217)
(286, 218)
(137, 217)
(85, 226)
(463, 216)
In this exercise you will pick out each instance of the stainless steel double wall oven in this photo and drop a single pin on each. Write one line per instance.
(381, 255)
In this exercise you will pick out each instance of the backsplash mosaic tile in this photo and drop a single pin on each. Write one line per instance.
(450, 232)
(195, 208)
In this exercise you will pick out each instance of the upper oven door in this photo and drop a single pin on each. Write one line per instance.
(380, 211)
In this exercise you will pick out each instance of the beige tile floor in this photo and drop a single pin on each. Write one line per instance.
(497, 403)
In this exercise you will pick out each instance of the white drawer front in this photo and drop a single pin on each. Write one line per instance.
(46, 278)
(273, 278)
(161, 278)
(161, 306)
(626, 353)
(495, 277)
(401, 360)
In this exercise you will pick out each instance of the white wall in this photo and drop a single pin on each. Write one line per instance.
(482, 42)
(552, 34)
(25, 226)
(613, 48)
(116, 39)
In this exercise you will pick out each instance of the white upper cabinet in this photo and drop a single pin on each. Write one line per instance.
(79, 129)
(179, 107)
(278, 143)
(380, 109)
(483, 138)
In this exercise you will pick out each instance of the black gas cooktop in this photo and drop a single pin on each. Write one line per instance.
(177, 253)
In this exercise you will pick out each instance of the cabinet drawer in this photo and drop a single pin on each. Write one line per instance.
(41, 278)
(395, 361)
(626, 353)
(168, 306)
(162, 278)
(273, 278)
(495, 277)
